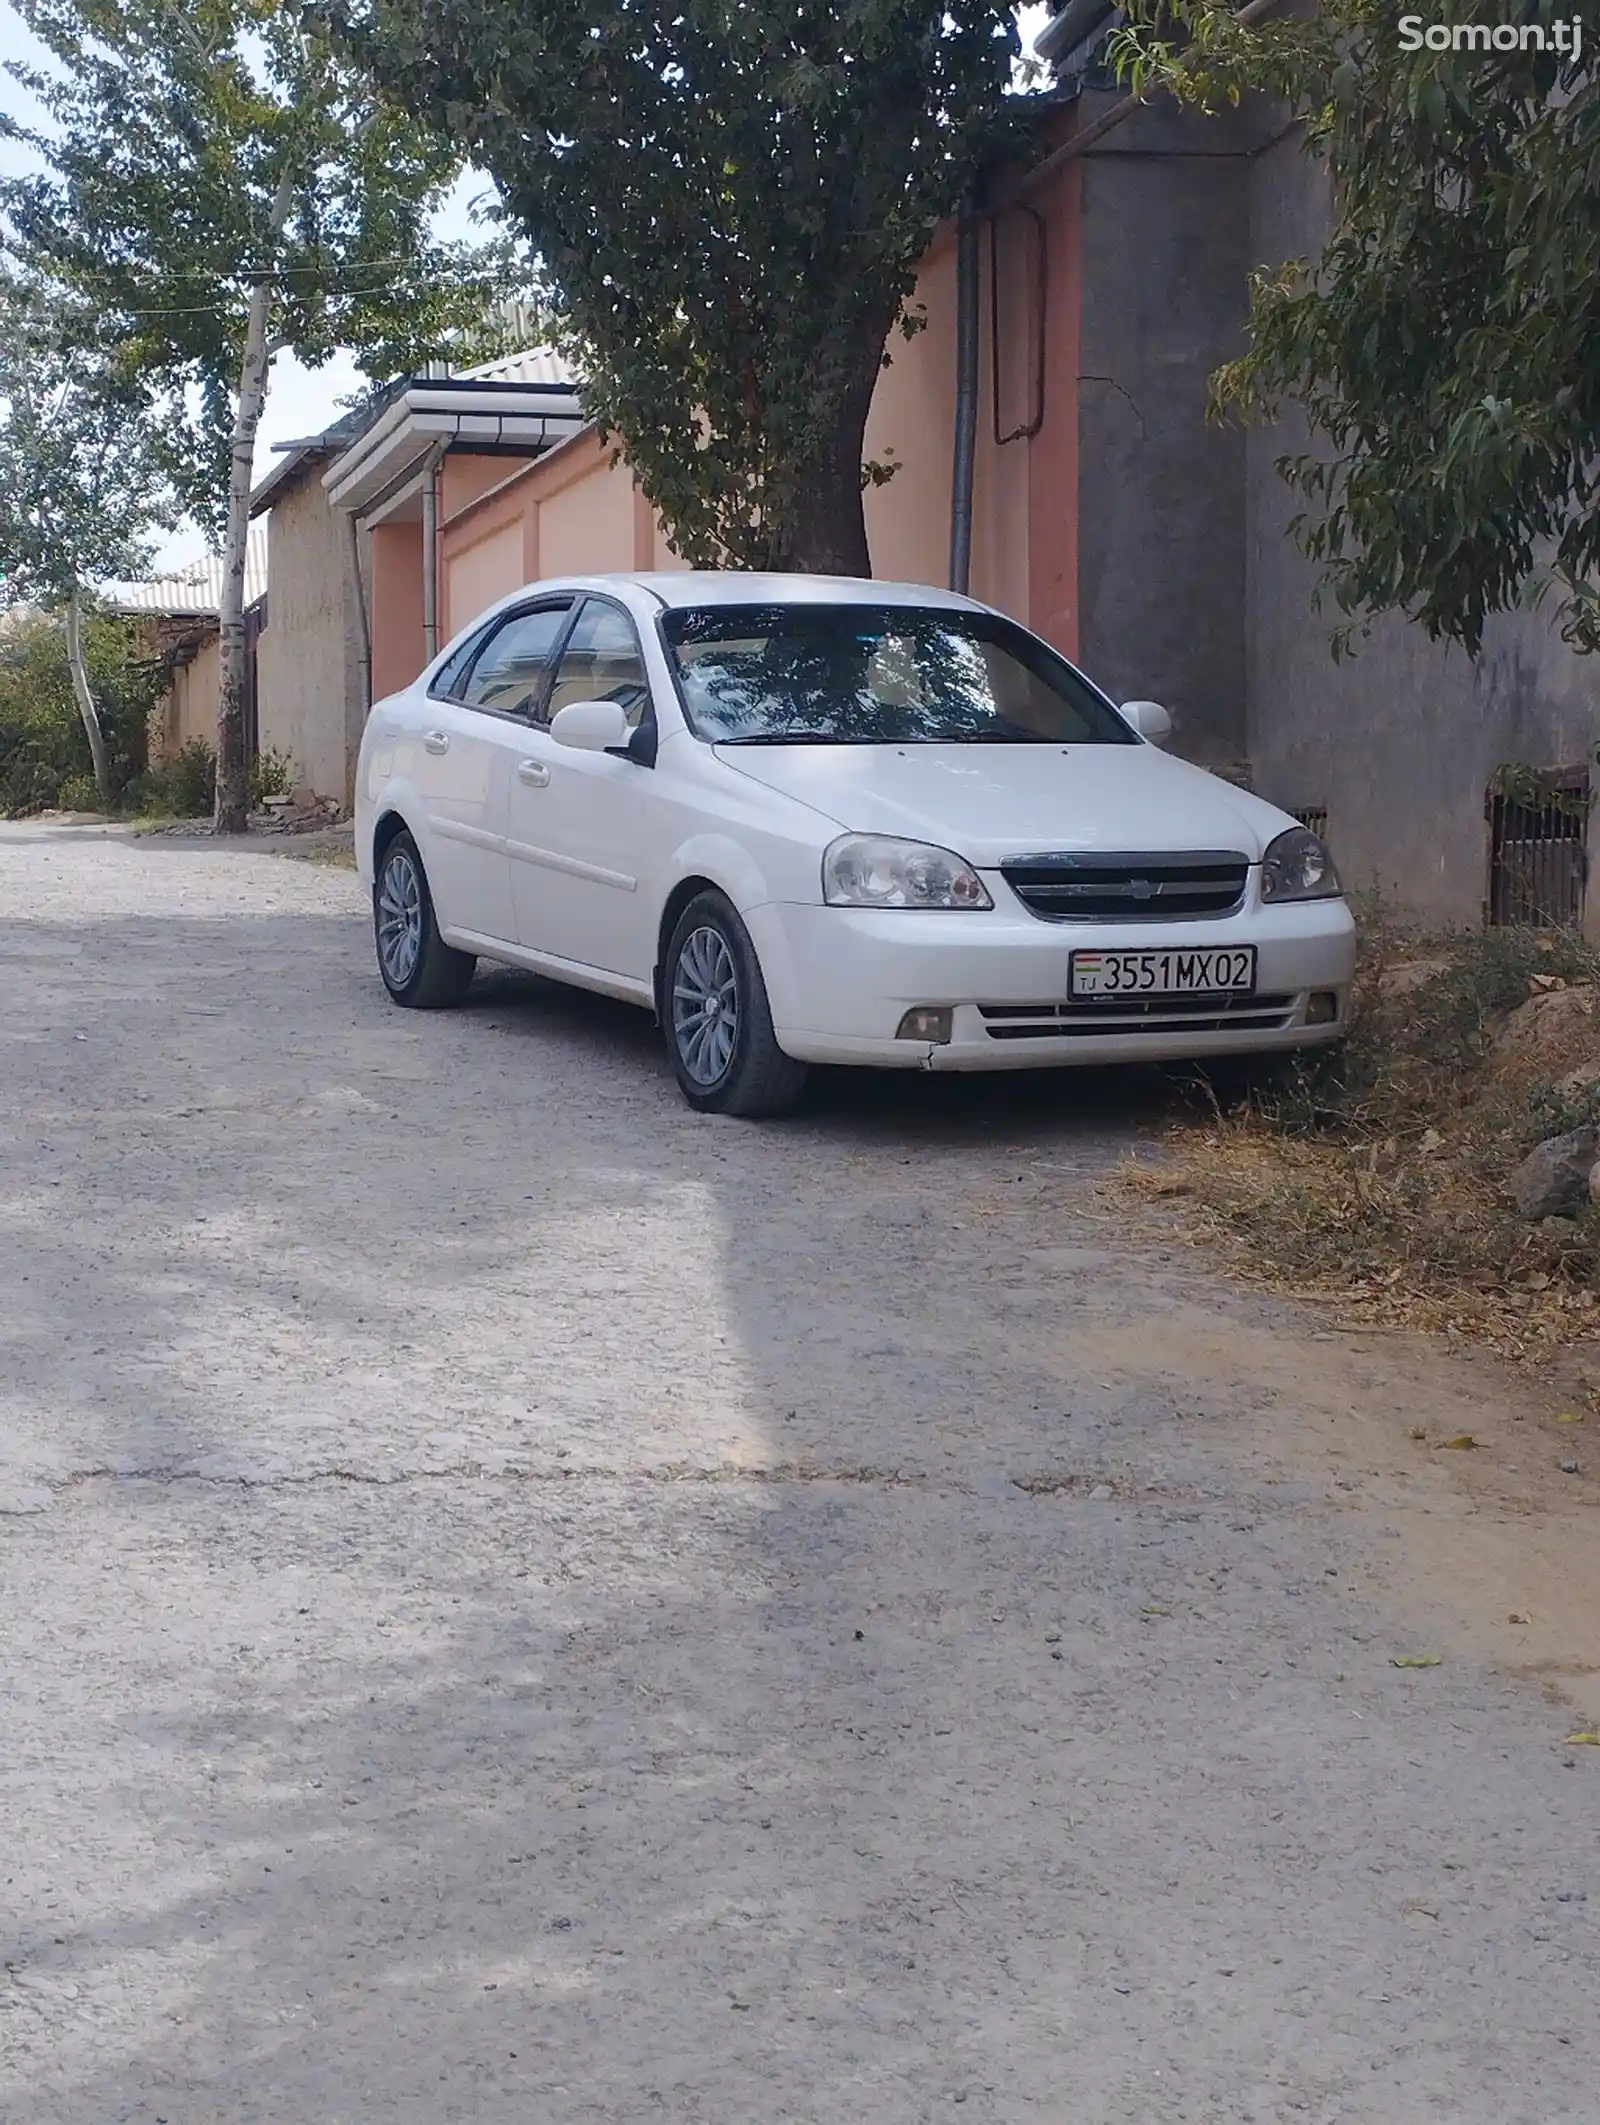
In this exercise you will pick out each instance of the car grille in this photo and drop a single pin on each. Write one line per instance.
(1165, 887)
(1148, 1014)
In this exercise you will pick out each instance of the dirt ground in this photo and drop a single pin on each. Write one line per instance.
(525, 1605)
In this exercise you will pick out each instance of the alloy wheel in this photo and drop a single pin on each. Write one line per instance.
(705, 1005)
(399, 918)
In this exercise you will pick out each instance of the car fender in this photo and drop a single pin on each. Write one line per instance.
(728, 864)
(402, 800)
(734, 870)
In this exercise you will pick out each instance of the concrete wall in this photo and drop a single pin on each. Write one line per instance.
(1165, 236)
(1400, 742)
(308, 658)
(190, 707)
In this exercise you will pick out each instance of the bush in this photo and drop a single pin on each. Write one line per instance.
(78, 794)
(43, 749)
(271, 775)
(1377, 1172)
(188, 781)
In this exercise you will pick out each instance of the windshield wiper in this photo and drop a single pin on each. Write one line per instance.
(786, 737)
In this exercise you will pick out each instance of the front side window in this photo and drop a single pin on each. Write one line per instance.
(878, 675)
(601, 662)
(510, 673)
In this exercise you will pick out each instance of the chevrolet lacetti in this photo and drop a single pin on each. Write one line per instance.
(809, 820)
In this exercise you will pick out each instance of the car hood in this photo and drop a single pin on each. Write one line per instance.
(988, 802)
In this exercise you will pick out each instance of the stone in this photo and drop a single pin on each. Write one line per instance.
(1553, 1180)
(1594, 1182)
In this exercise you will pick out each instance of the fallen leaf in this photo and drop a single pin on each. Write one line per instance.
(1429, 1140)
(1517, 1616)
(1570, 1416)
(1589, 1738)
(1416, 1660)
(1461, 1443)
(1154, 1611)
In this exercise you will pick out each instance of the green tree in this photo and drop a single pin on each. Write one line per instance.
(44, 749)
(1443, 345)
(218, 186)
(730, 201)
(83, 488)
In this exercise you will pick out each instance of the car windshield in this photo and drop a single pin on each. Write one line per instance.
(878, 675)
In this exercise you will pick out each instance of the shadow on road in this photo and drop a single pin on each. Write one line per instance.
(567, 1643)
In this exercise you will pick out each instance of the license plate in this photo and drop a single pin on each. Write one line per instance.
(1163, 971)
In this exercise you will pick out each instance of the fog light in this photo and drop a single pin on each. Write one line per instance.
(926, 1023)
(1322, 1007)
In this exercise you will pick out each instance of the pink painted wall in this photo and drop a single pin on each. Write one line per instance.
(574, 512)
(465, 475)
(396, 620)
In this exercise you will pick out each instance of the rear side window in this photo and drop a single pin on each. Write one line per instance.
(448, 678)
(509, 675)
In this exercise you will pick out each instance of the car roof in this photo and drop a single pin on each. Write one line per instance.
(690, 586)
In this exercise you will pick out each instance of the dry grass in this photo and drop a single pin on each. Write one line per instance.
(1375, 1180)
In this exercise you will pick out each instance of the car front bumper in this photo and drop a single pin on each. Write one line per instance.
(839, 981)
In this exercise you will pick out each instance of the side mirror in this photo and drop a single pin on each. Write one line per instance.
(591, 726)
(1149, 719)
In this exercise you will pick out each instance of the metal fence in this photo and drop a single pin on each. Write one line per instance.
(1538, 863)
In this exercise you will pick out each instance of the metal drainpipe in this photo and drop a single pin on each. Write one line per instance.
(352, 547)
(966, 424)
(430, 555)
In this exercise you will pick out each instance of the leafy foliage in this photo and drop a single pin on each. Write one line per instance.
(219, 185)
(1442, 346)
(82, 489)
(187, 785)
(731, 202)
(44, 752)
(196, 153)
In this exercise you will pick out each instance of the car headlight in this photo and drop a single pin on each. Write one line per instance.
(881, 871)
(1297, 866)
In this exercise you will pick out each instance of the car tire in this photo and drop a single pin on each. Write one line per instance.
(420, 971)
(717, 1020)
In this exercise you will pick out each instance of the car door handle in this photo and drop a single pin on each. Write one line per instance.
(437, 741)
(534, 773)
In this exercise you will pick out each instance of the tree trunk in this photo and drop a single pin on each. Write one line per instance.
(85, 699)
(825, 531)
(233, 763)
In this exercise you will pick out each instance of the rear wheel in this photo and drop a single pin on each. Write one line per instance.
(718, 1023)
(419, 969)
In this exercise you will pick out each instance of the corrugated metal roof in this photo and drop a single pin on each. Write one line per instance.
(197, 588)
(537, 365)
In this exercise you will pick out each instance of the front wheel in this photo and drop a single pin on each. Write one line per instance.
(419, 969)
(718, 1022)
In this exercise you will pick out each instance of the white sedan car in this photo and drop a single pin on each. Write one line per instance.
(821, 820)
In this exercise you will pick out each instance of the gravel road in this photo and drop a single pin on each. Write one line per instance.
(525, 1605)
